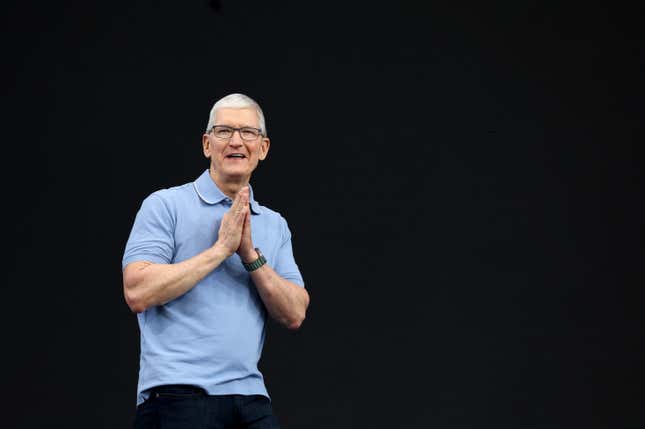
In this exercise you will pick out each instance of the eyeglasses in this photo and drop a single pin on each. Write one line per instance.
(225, 132)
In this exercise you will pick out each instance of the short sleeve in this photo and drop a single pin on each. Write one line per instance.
(285, 264)
(152, 235)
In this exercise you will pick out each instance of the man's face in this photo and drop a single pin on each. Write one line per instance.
(235, 158)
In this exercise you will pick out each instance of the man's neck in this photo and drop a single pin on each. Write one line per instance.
(229, 185)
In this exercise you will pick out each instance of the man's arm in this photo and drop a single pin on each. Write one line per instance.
(285, 301)
(146, 284)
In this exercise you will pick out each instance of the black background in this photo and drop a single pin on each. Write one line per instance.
(461, 181)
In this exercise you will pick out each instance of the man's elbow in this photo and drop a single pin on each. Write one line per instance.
(296, 321)
(134, 300)
(133, 287)
(132, 292)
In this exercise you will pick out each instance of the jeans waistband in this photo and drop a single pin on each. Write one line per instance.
(177, 390)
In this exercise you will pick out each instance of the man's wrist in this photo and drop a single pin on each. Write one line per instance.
(249, 256)
(219, 249)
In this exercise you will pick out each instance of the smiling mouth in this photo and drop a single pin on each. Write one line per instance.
(236, 156)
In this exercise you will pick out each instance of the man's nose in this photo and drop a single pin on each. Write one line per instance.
(236, 138)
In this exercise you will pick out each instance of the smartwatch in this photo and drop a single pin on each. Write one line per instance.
(252, 266)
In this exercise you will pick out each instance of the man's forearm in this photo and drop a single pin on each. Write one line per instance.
(285, 301)
(147, 284)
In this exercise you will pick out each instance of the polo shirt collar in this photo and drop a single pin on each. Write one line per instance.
(209, 192)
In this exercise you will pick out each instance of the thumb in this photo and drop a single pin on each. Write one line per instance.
(247, 224)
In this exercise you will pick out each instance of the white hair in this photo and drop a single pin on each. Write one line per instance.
(236, 101)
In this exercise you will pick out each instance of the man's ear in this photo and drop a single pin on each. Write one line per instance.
(264, 148)
(206, 146)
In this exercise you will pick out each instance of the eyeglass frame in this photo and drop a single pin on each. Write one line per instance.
(239, 132)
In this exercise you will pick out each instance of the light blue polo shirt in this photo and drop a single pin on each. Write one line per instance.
(212, 336)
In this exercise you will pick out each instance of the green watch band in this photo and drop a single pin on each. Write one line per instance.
(257, 263)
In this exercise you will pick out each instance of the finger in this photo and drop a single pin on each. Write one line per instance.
(244, 198)
(247, 226)
(237, 202)
(241, 198)
(243, 192)
(246, 233)
(241, 214)
(241, 223)
(237, 208)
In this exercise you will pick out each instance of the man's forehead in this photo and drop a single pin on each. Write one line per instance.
(232, 116)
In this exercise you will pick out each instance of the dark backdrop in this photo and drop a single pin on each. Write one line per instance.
(462, 184)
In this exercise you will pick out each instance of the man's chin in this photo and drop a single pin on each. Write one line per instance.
(234, 174)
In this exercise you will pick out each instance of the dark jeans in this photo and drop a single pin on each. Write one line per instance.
(180, 406)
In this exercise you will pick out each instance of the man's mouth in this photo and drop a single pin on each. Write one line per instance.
(236, 156)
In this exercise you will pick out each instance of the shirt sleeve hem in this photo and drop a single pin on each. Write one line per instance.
(294, 279)
(156, 259)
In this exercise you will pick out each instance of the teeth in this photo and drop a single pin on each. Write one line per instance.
(236, 155)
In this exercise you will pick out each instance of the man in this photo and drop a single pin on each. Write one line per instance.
(203, 265)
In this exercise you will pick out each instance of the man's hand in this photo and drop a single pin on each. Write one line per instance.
(232, 226)
(246, 250)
